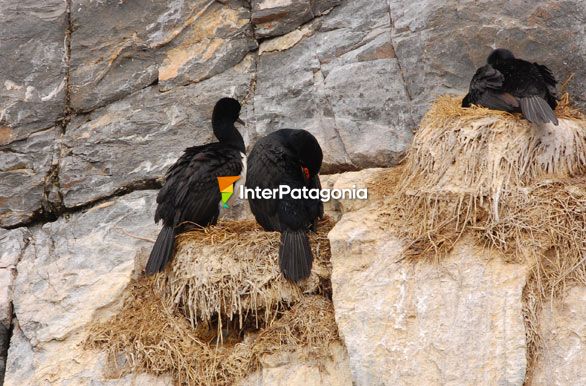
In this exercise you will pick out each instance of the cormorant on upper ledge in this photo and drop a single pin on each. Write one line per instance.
(514, 85)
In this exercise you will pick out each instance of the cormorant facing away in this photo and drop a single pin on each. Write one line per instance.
(287, 157)
(191, 193)
(514, 85)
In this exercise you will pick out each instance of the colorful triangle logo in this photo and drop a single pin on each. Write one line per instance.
(226, 185)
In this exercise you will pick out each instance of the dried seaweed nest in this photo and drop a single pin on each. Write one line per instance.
(517, 187)
(204, 328)
(231, 270)
(471, 169)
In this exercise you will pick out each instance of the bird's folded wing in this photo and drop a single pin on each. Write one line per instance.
(487, 77)
(549, 79)
(498, 101)
(191, 191)
(265, 164)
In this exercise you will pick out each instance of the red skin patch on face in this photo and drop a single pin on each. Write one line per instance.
(306, 172)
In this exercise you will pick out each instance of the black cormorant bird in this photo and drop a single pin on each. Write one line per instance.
(514, 85)
(287, 157)
(191, 195)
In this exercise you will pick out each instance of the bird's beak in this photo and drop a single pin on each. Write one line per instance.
(241, 122)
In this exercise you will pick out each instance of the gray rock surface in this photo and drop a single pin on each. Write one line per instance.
(563, 330)
(219, 39)
(277, 17)
(24, 165)
(456, 322)
(72, 273)
(121, 47)
(6, 280)
(13, 245)
(81, 263)
(32, 66)
(136, 139)
(64, 363)
(328, 81)
(439, 44)
(292, 369)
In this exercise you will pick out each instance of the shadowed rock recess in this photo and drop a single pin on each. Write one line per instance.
(99, 98)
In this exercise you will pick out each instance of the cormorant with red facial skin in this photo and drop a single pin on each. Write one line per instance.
(293, 158)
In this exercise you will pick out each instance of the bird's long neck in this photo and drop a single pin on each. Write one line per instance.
(227, 134)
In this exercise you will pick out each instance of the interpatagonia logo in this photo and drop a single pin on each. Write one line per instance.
(303, 193)
(227, 188)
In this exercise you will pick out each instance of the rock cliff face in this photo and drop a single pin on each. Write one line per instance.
(89, 88)
(98, 98)
(458, 322)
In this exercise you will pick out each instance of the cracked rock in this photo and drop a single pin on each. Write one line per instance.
(278, 17)
(72, 273)
(136, 139)
(329, 82)
(219, 40)
(65, 363)
(32, 66)
(80, 264)
(13, 244)
(120, 47)
(23, 167)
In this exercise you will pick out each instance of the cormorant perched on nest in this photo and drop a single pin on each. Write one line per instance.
(514, 85)
(293, 158)
(191, 193)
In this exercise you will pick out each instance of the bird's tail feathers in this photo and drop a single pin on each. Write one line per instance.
(162, 251)
(536, 110)
(295, 257)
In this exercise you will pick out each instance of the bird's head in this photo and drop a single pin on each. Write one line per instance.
(499, 55)
(308, 152)
(226, 112)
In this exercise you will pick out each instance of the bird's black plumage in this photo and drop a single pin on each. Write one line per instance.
(191, 195)
(514, 85)
(287, 157)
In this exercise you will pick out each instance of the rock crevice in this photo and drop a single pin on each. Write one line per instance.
(398, 59)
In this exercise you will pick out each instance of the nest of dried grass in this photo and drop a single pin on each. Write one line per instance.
(213, 325)
(146, 336)
(516, 187)
(231, 270)
(469, 168)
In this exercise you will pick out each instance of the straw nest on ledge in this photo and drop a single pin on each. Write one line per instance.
(517, 187)
(221, 306)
